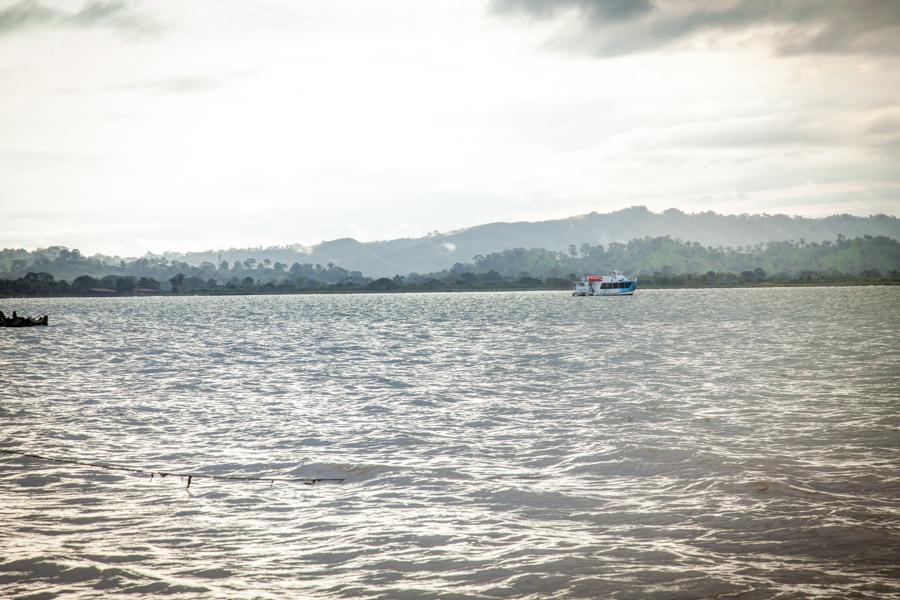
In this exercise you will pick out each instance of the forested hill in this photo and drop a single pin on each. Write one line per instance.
(434, 253)
(867, 256)
(656, 261)
(664, 255)
(441, 250)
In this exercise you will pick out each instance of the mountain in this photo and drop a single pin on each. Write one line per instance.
(441, 250)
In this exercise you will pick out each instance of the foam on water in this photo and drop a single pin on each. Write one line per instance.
(675, 444)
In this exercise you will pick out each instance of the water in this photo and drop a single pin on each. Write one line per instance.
(677, 444)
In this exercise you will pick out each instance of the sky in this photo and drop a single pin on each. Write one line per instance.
(128, 127)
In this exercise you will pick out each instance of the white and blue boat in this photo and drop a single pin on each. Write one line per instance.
(613, 284)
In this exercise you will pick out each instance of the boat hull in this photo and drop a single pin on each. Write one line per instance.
(24, 322)
(628, 292)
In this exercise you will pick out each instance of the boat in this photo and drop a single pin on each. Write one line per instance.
(17, 321)
(613, 284)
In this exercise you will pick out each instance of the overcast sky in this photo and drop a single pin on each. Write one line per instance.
(128, 127)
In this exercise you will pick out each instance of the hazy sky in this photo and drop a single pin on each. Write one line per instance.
(135, 126)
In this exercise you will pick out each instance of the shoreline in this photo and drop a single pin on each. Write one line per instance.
(454, 289)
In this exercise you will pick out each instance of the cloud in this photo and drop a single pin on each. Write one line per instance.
(789, 27)
(610, 10)
(177, 85)
(110, 14)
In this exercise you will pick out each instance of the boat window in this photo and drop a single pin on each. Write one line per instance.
(603, 286)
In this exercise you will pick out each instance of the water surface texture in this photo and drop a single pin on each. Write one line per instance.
(676, 444)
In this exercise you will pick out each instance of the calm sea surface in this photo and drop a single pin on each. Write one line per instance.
(676, 444)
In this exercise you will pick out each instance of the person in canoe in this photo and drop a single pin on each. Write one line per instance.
(17, 321)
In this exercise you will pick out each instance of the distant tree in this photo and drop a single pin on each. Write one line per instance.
(250, 263)
(247, 282)
(492, 277)
(148, 283)
(279, 267)
(177, 282)
(382, 284)
(125, 285)
(84, 283)
(573, 251)
(585, 249)
(42, 277)
(193, 282)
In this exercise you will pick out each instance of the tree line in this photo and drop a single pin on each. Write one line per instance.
(71, 265)
(645, 256)
(660, 261)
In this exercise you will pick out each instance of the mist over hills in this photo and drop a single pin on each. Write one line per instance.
(441, 250)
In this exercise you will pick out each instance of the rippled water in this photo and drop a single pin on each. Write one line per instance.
(676, 444)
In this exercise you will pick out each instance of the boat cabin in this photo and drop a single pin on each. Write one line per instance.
(613, 284)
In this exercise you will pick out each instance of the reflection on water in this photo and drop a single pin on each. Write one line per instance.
(677, 444)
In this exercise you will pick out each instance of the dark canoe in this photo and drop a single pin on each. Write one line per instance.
(24, 322)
